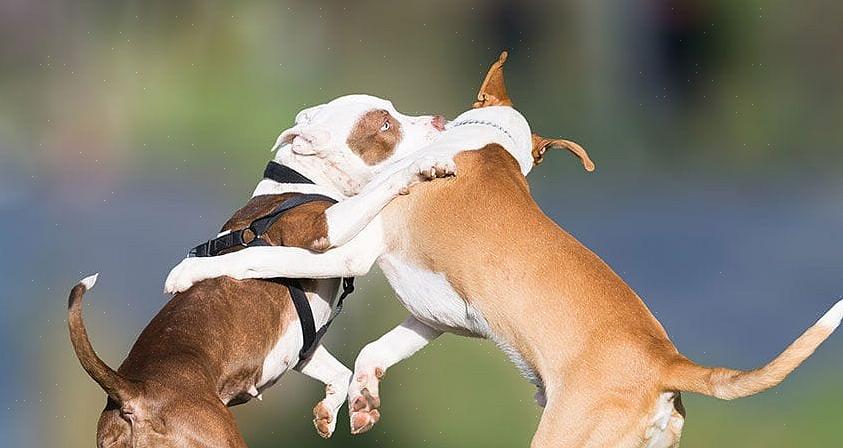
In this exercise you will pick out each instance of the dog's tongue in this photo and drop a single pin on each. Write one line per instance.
(493, 90)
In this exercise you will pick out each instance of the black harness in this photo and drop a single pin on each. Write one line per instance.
(253, 235)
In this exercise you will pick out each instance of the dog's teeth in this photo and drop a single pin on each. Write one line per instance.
(260, 397)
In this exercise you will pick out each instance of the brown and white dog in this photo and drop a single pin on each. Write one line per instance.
(223, 341)
(475, 255)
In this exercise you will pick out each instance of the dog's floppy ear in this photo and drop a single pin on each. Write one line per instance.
(542, 144)
(305, 140)
(493, 90)
(493, 93)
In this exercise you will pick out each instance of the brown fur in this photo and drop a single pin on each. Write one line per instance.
(204, 348)
(369, 142)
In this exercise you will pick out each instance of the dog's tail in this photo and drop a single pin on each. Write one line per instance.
(728, 384)
(117, 387)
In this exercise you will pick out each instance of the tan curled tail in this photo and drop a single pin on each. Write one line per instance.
(728, 384)
(117, 387)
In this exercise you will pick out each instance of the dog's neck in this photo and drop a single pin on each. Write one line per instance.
(322, 183)
(496, 124)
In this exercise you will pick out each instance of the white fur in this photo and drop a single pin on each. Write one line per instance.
(269, 186)
(284, 354)
(346, 219)
(324, 367)
(90, 281)
(431, 299)
(517, 139)
(316, 146)
(665, 424)
(282, 357)
(396, 345)
(319, 135)
(831, 319)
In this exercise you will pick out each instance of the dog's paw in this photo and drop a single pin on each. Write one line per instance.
(364, 401)
(427, 167)
(178, 280)
(433, 166)
(187, 273)
(324, 419)
(320, 244)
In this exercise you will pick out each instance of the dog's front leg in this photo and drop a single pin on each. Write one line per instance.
(347, 218)
(349, 260)
(324, 367)
(397, 345)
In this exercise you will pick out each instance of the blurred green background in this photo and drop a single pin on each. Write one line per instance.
(130, 130)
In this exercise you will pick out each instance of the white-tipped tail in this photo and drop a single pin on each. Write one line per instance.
(832, 318)
(728, 383)
(91, 280)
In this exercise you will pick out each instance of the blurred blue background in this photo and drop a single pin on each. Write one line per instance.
(131, 130)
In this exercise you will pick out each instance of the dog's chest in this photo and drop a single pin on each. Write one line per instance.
(284, 354)
(431, 298)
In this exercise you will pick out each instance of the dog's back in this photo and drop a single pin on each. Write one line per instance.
(233, 323)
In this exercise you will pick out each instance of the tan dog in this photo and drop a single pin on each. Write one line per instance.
(475, 255)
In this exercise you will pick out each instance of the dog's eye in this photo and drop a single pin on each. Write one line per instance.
(385, 126)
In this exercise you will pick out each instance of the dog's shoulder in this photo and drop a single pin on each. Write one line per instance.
(301, 226)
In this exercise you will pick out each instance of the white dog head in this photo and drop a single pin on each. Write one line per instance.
(353, 137)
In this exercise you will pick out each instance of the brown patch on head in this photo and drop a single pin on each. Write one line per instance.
(542, 144)
(493, 90)
(375, 136)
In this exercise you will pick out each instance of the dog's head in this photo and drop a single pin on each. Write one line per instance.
(353, 137)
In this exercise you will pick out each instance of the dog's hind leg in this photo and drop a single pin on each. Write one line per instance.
(590, 419)
(325, 368)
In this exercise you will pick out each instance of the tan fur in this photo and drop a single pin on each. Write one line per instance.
(604, 359)
(606, 363)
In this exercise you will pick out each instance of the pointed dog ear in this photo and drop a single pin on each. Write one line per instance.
(542, 144)
(493, 90)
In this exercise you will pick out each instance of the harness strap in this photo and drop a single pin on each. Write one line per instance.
(311, 338)
(347, 288)
(308, 325)
(283, 174)
(253, 236)
(262, 224)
